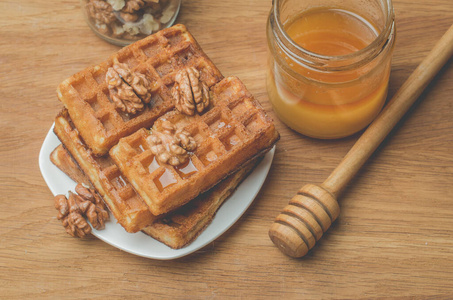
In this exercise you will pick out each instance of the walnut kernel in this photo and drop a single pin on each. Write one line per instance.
(191, 95)
(128, 90)
(71, 211)
(133, 6)
(122, 94)
(100, 11)
(171, 145)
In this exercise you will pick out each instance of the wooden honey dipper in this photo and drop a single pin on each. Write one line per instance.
(311, 212)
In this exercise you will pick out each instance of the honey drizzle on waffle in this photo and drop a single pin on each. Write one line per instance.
(233, 131)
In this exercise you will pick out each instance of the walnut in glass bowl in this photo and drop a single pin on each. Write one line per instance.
(122, 22)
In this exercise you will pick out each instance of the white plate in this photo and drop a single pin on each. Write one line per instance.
(141, 244)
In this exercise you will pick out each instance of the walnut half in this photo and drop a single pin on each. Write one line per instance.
(71, 211)
(191, 95)
(101, 12)
(128, 90)
(171, 145)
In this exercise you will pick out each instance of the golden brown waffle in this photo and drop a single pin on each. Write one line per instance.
(233, 131)
(181, 227)
(61, 158)
(128, 208)
(158, 57)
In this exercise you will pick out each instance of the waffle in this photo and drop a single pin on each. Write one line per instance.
(181, 227)
(124, 203)
(159, 57)
(234, 130)
(61, 158)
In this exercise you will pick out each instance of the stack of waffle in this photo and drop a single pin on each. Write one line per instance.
(109, 149)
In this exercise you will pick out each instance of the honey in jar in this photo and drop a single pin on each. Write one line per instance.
(329, 65)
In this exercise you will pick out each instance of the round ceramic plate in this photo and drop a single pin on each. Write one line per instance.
(140, 243)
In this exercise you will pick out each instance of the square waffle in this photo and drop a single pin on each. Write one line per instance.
(234, 130)
(124, 203)
(159, 57)
(181, 227)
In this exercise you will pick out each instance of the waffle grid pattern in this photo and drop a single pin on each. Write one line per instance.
(125, 204)
(228, 135)
(180, 227)
(159, 57)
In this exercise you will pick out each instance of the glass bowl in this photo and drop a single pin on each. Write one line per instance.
(122, 22)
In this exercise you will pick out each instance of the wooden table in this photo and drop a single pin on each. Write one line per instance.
(394, 236)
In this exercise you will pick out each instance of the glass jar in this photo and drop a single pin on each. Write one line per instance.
(329, 63)
(122, 22)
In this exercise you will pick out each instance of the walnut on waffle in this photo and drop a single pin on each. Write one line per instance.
(125, 204)
(159, 57)
(234, 130)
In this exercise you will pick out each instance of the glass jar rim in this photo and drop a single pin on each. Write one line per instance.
(362, 56)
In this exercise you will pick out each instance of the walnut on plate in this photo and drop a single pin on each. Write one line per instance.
(73, 210)
(129, 91)
(171, 145)
(190, 93)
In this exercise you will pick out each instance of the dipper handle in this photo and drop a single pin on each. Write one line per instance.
(311, 212)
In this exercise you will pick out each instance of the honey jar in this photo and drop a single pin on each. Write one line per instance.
(329, 63)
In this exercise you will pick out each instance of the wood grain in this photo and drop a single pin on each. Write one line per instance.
(393, 238)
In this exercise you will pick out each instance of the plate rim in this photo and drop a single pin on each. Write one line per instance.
(256, 179)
